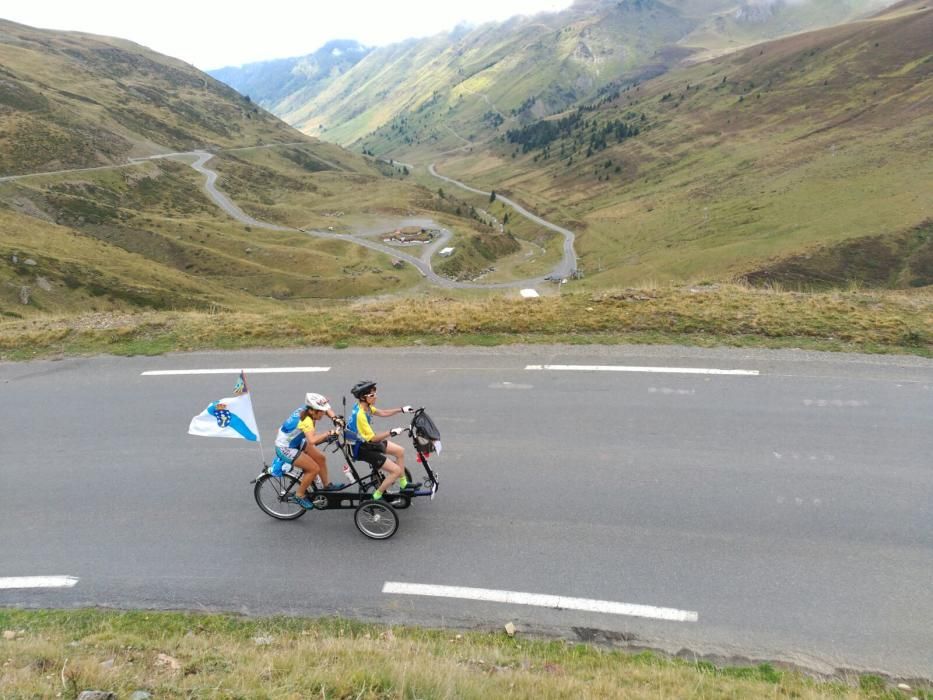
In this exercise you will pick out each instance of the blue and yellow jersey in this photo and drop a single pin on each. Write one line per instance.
(293, 430)
(359, 423)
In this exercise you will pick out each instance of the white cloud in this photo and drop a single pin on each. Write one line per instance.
(211, 34)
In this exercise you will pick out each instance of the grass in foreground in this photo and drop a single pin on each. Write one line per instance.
(730, 315)
(179, 655)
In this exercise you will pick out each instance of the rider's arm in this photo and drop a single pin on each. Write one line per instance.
(365, 430)
(335, 419)
(307, 427)
(318, 438)
(386, 412)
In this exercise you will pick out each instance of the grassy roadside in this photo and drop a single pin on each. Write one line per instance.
(729, 315)
(179, 655)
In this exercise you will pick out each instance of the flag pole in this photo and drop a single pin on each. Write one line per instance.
(262, 452)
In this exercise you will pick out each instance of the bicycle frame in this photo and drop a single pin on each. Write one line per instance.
(343, 445)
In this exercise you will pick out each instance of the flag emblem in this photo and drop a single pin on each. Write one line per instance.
(222, 414)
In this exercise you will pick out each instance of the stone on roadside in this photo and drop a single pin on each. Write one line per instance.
(97, 695)
(510, 629)
(140, 695)
(903, 686)
(9, 635)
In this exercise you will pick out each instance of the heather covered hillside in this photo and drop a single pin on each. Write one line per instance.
(723, 168)
(70, 100)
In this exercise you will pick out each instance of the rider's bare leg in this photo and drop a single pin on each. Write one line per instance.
(310, 468)
(398, 452)
(393, 472)
(321, 459)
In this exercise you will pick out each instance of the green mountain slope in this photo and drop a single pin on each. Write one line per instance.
(774, 151)
(70, 100)
(127, 235)
(437, 93)
(440, 90)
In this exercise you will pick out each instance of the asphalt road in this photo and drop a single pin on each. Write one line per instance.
(790, 510)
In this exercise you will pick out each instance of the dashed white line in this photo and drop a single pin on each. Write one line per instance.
(248, 370)
(541, 600)
(37, 582)
(836, 403)
(662, 370)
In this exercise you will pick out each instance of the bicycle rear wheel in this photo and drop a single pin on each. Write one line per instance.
(376, 520)
(273, 495)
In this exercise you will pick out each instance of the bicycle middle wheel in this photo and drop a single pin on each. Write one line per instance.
(376, 520)
(273, 495)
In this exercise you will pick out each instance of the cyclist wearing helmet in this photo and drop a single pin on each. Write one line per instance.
(373, 447)
(295, 446)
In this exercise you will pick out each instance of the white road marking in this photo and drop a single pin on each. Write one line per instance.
(38, 581)
(662, 370)
(837, 403)
(541, 600)
(248, 370)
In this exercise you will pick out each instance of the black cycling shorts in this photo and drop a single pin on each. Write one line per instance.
(373, 452)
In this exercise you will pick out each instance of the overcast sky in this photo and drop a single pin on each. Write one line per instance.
(211, 34)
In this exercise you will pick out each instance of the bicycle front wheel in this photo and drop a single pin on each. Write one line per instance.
(273, 495)
(376, 520)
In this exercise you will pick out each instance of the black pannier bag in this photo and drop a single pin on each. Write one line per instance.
(424, 432)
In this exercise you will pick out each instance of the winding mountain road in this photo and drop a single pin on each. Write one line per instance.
(568, 264)
(423, 263)
(222, 200)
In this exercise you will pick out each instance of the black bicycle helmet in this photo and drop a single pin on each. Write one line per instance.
(363, 387)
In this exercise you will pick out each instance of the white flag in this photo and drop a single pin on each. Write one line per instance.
(228, 418)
